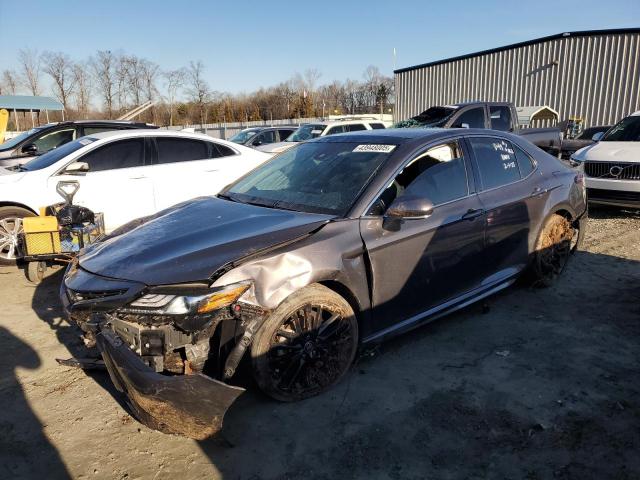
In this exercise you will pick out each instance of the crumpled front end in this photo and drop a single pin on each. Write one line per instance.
(170, 349)
(190, 405)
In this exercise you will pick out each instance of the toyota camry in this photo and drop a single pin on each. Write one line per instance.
(340, 241)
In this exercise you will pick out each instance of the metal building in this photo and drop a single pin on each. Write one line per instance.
(593, 75)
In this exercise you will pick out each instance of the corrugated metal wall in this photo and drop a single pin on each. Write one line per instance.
(594, 77)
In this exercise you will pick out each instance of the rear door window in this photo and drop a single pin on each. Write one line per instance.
(285, 133)
(265, 137)
(500, 118)
(355, 127)
(377, 126)
(336, 129)
(497, 162)
(472, 118)
(219, 150)
(118, 154)
(174, 150)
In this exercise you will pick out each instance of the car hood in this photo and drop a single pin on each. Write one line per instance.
(190, 242)
(610, 152)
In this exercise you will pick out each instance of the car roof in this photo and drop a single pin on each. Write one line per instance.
(156, 133)
(124, 123)
(404, 135)
(399, 135)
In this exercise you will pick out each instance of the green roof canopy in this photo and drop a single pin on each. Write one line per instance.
(28, 103)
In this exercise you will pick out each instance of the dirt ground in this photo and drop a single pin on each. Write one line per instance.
(543, 385)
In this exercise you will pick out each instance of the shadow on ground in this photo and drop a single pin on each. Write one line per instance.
(18, 439)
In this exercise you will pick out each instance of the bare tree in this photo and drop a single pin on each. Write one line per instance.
(30, 64)
(83, 88)
(9, 82)
(60, 68)
(311, 77)
(197, 87)
(174, 81)
(104, 71)
(150, 72)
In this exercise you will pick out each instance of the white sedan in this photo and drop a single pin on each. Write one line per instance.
(125, 175)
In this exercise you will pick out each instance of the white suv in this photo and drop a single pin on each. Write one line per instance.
(612, 165)
(125, 175)
(321, 129)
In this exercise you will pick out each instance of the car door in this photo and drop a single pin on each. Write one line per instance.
(186, 168)
(117, 182)
(509, 192)
(421, 263)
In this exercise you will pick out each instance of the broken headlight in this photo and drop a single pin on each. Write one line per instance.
(161, 303)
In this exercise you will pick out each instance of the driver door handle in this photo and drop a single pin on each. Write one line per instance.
(473, 213)
(137, 178)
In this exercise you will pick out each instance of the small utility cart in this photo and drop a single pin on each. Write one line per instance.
(58, 234)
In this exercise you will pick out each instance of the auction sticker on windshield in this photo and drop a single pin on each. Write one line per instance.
(375, 148)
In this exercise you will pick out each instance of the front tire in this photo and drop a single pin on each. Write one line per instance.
(306, 345)
(553, 249)
(10, 228)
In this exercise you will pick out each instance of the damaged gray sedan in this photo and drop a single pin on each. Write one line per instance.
(340, 241)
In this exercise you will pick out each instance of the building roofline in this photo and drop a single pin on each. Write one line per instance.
(583, 33)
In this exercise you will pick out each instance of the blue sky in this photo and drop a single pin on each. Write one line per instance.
(248, 44)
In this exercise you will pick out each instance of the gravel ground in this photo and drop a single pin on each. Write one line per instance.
(541, 384)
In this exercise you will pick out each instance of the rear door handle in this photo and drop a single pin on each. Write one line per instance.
(472, 213)
(137, 178)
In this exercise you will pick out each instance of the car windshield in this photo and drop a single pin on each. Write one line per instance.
(52, 156)
(590, 132)
(435, 116)
(12, 142)
(243, 136)
(315, 177)
(627, 130)
(305, 132)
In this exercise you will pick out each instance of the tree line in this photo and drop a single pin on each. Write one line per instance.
(108, 84)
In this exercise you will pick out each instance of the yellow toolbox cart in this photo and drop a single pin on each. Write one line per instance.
(45, 242)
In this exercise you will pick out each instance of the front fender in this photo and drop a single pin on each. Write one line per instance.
(335, 253)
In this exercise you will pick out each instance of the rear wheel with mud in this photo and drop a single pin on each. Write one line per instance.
(306, 345)
(553, 249)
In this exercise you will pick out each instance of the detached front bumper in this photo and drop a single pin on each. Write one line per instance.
(190, 405)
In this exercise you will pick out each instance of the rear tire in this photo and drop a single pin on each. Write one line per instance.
(10, 227)
(306, 345)
(553, 249)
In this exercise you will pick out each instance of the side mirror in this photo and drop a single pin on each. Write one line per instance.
(77, 167)
(30, 149)
(256, 143)
(597, 137)
(410, 206)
